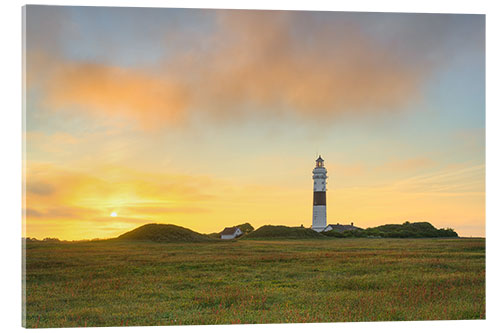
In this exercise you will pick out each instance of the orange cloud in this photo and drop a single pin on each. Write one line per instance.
(118, 92)
(254, 66)
(257, 60)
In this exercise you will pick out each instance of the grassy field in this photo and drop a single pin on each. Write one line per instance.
(114, 283)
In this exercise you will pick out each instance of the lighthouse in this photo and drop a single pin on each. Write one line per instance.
(319, 198)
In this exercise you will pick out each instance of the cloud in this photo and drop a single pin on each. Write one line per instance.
(410, 164)
(330, 69)
(32, 213)
(266, 64)
(39, 188)
(450, 181)
(59, 211)
(165, 210)
(120, 219)
(116, 92)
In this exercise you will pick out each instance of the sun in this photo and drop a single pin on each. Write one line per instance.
(113, 214)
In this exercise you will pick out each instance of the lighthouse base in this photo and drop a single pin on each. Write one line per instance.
(319, 218)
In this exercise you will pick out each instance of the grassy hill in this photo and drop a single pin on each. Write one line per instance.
(273, 231)
(164, 233)
(172, 233)
(405, 230)
(246, 227)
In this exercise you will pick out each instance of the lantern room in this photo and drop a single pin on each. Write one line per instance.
(319, 162)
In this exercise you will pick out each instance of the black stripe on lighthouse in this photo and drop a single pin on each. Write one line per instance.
(319, 199)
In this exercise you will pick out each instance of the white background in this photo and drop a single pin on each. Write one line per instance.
(10, 157)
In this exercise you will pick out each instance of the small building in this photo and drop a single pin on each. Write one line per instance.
(341, 227)
(231, 233)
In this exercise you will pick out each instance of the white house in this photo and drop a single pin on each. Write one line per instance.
(230, 233)
(341, 227)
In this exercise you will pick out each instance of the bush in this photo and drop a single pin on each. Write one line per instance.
(278, 231)
(405, 230)
(410, 230)
(246, 228)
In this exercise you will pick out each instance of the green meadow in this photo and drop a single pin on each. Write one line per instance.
(124, 283)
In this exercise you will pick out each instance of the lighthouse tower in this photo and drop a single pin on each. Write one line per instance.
(319, 201)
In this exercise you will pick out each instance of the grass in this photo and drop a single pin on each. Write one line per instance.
(281, 231)
(120, 283)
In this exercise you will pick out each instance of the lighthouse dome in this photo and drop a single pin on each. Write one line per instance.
(319, 162)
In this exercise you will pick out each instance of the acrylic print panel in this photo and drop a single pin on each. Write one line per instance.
(197, 166)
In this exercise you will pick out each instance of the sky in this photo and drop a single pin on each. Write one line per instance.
(212, 118)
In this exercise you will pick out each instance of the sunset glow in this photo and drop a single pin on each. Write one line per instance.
(213, 118)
